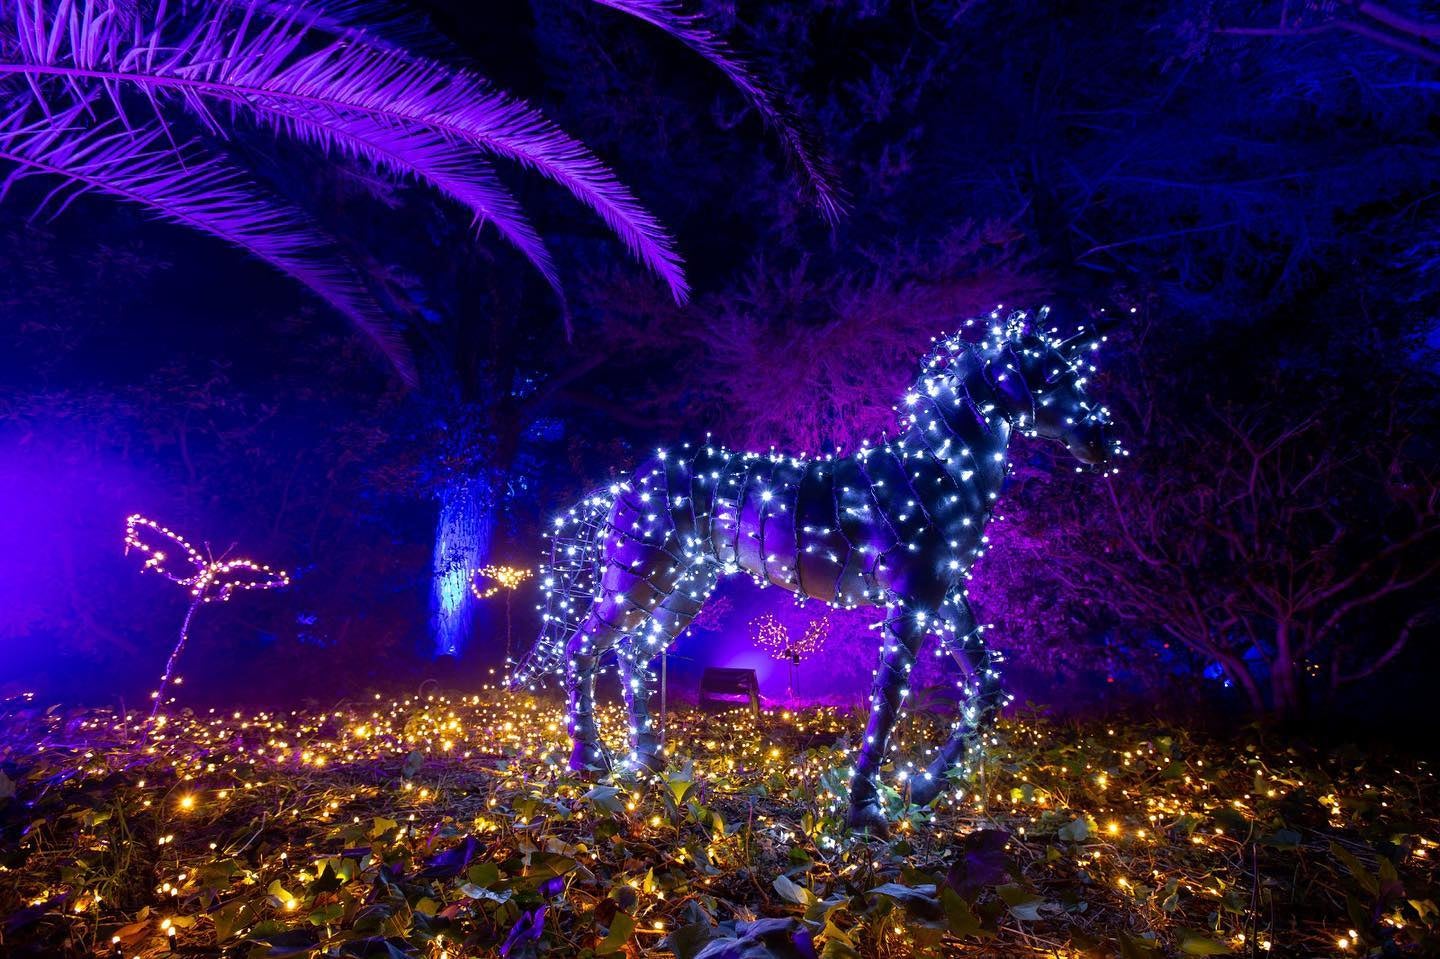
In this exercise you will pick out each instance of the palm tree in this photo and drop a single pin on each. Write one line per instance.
(130, 98)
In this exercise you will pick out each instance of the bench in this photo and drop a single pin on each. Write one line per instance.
(727, 688)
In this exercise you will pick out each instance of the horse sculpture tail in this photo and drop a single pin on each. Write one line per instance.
(569, 581)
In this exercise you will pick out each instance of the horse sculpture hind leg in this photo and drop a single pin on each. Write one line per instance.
(639, 650)
(636, 575)
(591, 640)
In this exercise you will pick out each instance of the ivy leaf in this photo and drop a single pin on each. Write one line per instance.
(607, 798)
(838, 949)
(687, 941)
(452, 862)
(680, 786)
(1194, 944)
(230, 918)
(549, 867)
(893, 890)
(1077, 831)
(1022, 904)
(622, 927)
(982, 862)
(327, 915)
(327, 881)
(283, 896)
(1367, 879)
(484, 874)
(413, 762)
(839, 944)
(290, 944)
(958, 916)
(919, 901)
(1132, 947)
(480, 892)
(791, 891)
(397, 924)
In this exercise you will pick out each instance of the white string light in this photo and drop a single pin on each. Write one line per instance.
(898, 525)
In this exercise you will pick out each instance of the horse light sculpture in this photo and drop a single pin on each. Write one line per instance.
(897, 525)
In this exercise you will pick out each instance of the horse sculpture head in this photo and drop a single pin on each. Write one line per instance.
(1040, 381)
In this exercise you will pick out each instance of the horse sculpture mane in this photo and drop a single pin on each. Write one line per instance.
(897, 525)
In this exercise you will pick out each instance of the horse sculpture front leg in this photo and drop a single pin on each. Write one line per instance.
(903, 638)
(983, 699)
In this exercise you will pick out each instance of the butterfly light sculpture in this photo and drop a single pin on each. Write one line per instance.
(208, 579)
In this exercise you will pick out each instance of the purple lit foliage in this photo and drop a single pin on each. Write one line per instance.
(83, 77)
(740, 361)
(817, 174)
(191, 189)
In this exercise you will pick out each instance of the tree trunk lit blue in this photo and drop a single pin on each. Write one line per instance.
(462, 543)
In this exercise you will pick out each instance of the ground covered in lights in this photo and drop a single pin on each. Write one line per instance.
(447, 826)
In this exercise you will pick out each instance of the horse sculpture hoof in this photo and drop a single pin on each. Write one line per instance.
(652, 763)
(589, 758)
(925, 791)
(869, 818)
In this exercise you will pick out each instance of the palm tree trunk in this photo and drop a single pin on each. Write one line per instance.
(462, 544)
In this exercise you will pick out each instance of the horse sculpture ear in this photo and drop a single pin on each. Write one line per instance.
(1016, 325)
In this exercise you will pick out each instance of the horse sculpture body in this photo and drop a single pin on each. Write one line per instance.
(897, 525)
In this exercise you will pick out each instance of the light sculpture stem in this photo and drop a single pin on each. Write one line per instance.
(175, 655)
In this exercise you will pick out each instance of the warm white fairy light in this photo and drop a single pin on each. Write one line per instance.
(206, 578)
(899, 526)
(500, 577)
(774, 637)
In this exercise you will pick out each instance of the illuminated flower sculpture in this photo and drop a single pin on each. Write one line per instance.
(167, 553)
(774, 637)
(897, 525)
(501, 578)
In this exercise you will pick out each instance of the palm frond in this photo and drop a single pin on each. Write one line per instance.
(431, 158)
(274, 68)
(690, 29)
(204, 194)
(374, 22)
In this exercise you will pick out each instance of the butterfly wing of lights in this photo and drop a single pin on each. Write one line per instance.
(168, 553)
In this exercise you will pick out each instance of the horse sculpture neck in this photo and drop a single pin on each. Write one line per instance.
(961, 413)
